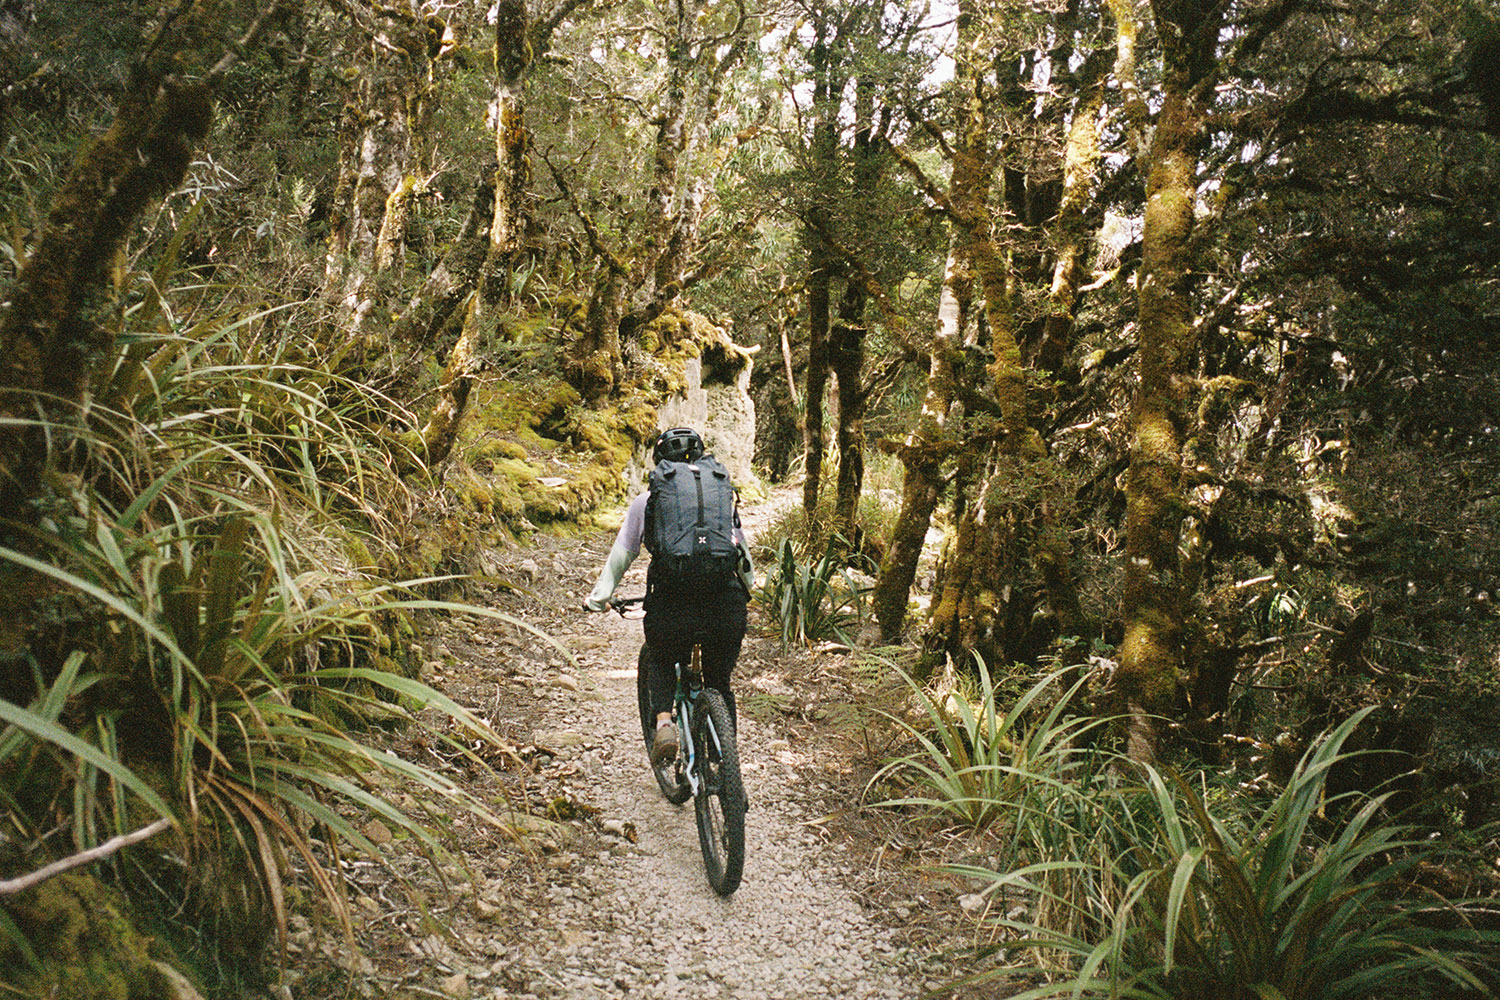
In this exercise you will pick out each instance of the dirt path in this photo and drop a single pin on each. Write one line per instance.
(639, 919)
(603, 894)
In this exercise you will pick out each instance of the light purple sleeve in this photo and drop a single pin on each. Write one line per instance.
(633, 528)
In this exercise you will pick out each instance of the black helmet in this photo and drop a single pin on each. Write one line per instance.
(680, 444)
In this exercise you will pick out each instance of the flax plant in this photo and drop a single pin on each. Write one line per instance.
(813, 600)
(206, 646)
(979, 761)
(1312, 897)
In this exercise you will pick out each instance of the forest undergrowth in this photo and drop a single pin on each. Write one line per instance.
(1132, 361)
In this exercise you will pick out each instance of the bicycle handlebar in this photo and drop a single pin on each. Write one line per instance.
(620, 605)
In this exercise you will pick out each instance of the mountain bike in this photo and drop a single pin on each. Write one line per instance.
(707, 765)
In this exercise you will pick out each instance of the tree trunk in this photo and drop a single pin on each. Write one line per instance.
(455, 275)
(1147, 683)
(813, 433)
(512, 179)
(52, 338)
(848, 340)
(597, 355)
(921, 486)
(924, 450)
(441, 430)
(512, 152)
(378, 168)
(61, 317)
(1004, 522)
(823, 152)
(847, 360)
(1080, 166)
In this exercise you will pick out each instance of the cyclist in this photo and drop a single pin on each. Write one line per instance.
(680, 614)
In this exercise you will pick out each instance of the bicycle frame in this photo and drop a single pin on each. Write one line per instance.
(705, 765)
(684, 703)
(684, 700)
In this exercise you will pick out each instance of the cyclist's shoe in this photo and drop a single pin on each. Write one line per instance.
(664, 745)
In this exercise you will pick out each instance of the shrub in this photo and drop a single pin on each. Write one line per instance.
(1197, 900)
(977, 762)
(209, 635)
(813, 600)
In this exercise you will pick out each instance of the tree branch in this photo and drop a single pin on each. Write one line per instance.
(545, 24)
(596, 241)
(103, 850)
(927, 184)
(236, 49)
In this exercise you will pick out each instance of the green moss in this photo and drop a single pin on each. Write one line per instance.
(86, 946)
(530, 455)
(359, 554)
(497, 448)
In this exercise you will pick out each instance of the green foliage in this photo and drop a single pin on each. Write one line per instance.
(978, 762)
(813, 600)
(214, 638)
(1159, 890)
(93, 952)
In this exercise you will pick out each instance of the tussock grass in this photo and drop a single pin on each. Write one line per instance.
(1125, 880)
(813, 600)
(978, 762)
(218, 628)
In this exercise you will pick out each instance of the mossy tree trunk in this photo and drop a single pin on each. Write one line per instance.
(1019, 503)
(926, 447)
(822, 152)
(1006, 530)
(379, 167)
(512, 181)
(847, 343)
(671, 139)
(1080, 171)
(955, 620)
(634, 286)
(62, 314)
(814, 433)
(513, 59)
(948, 379)
(1149, 682)
(456, 275)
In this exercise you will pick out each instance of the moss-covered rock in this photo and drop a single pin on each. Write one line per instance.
(530, 454)
(83, 945)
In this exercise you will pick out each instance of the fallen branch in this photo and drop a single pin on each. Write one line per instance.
(103, 850)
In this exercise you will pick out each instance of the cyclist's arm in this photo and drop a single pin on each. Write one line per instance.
(627, 546)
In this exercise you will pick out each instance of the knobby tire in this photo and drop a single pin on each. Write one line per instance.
(669, 777)
(720, 803)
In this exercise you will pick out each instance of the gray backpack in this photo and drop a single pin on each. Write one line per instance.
(691, 515)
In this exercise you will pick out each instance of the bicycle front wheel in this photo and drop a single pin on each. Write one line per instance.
(720, 802)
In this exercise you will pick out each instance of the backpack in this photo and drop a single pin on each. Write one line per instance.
(691, 515)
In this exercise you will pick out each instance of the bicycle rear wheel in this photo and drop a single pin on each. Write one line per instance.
(720, 803)
(669, 777)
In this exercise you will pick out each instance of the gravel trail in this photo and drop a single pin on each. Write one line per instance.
(638, 919)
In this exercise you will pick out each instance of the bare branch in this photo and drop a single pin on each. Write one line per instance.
(927, 184)
(544, 26)
(237, 49)
(596, 241)
(103, 850)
